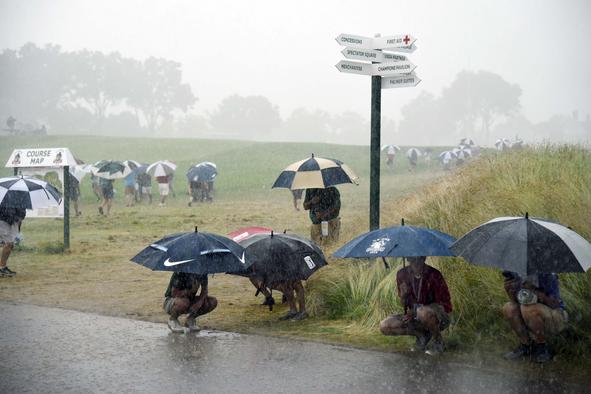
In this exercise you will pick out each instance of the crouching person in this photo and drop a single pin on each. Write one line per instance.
(427, 303)
(181, 298)
(535, 312)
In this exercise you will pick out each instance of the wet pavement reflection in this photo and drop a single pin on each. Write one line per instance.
(54, 350)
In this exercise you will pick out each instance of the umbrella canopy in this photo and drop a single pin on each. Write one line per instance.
(247, 232)
(525, 245)
(315, 173)
(413, 153)
(462, 153)
(142, 168)
(132, 164)
(161, 168)
(391, 149)
(202, 172)
(447, 156)
(279, 257)
(467, 141)
(193, 252)
(25, 192)
(110, 169)
(79, 171)
(503, 144)
(398, 241)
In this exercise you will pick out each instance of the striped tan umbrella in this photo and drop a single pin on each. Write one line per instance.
(315, 173)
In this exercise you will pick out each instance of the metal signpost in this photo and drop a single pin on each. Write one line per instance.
(387, 70)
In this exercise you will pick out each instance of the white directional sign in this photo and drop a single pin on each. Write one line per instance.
(401, 81)
(382, 69)
(407, 49)
(372, 55)
(351, 40)
(402, 40)
(397, 68)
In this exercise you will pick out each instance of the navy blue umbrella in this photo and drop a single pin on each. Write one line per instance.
(193, 252)
(398, 241)
(202, 172)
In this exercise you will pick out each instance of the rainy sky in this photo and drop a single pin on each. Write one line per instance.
(287, 51)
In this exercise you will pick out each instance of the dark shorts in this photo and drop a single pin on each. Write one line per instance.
(107, 192)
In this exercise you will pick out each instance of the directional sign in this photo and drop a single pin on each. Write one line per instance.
(354, 67)
(372, 55)
(407, 49)
(389, 42)
(397, 68)
(401, 81)
(351, 40)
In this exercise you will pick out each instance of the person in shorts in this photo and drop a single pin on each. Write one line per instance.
(163, 189)
(181, 298)
(425, 296)
(10, 226)
(535, 312)
(324, 206)
(75, 194)
(144, 181)
(129, 182)
(107, 193)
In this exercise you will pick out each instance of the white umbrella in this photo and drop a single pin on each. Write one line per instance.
(161, 168)
(391, 149)
(447, 156)
(462, 153)
(79, 171)
(503, 144)
(27, 192)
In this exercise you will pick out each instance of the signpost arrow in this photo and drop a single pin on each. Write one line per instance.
(402, 40)
(372, 55)
(396, 68)
(406, 49)
(381, 69)
(401, 81)
(354, 67)
(351, 40)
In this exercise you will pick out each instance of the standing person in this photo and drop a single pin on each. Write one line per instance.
(129, 183)
(145, 186)
(535, 312)
(107, 192)
(413, 158)
(424, 294)
(297, 196)
(170, 184)
(181, 298)
(390, 154)
(324, 206)
(75, 193)
(96, 186)
(10, 226)
(163, 189)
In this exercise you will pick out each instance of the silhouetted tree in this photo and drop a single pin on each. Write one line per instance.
(246, 116)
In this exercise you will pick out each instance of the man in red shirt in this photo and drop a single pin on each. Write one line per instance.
(427, 304)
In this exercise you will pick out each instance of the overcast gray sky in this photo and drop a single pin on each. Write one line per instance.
(287, 50)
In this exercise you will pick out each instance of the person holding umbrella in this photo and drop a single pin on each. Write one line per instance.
(10, 226)
(181, 298)
(535, 311)
(324, 206)
(424, 294)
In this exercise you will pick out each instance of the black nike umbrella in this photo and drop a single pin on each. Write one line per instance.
(194, 252)
(525, 245)
(280, 257)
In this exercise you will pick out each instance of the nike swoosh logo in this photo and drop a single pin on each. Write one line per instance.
(169, 263)
(242, 260)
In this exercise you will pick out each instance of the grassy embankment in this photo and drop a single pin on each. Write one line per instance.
(347, 298)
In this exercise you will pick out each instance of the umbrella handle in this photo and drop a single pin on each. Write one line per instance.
(385, 263)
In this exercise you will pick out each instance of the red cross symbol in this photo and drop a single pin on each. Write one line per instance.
(406, 40)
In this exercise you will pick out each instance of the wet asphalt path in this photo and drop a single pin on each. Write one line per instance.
(47, 350)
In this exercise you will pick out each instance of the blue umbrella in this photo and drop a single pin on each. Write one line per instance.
(193, 252)
(203, 172)
(398, 241)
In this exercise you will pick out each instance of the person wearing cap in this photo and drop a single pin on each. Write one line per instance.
(427, 304)
(535, 312)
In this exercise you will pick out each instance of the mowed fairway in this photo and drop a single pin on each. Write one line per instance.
(96, 274)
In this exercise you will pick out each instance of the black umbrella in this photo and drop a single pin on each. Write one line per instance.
(202, 172)
(110, 169)
(279, 257)
(194, 252)
(25, 192)
(525, 245)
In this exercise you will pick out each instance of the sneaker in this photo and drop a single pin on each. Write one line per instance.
(192, 325)
(541, 353)
(175, 326)
(422, 341)
(300, 316)
(519, 352)
(4, 271)
(288, 315)
(435, 348)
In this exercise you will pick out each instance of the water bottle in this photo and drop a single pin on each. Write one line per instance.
(324, 227)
